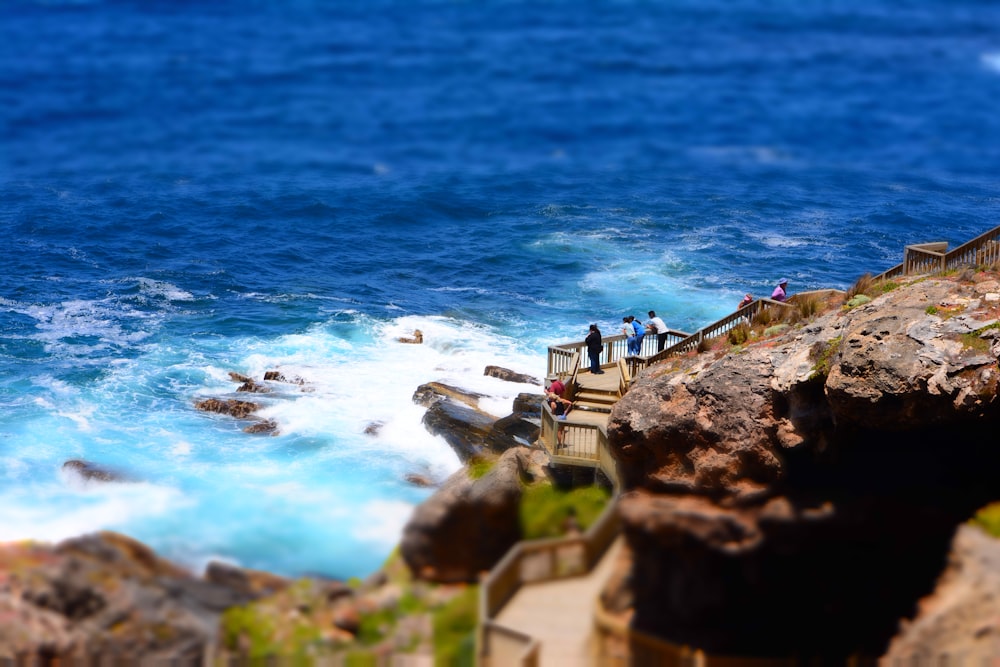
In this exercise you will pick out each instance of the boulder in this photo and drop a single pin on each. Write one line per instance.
(528, 406)
(463, 428)
(468, 524)
(511, 376)
(432, 392)
(511, 431)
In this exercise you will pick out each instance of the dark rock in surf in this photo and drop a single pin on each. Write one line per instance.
(253, 387)
(510, 376)
(528, 406)
(464, 428)
(231, 407)
(92, 472)
(511, 431)
(263, 427)
(430, 393)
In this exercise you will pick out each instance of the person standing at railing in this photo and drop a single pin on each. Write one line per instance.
(629, 332)
(779, 293)
(747, 300)
(594, 348)
(656, 325)
(640, 333)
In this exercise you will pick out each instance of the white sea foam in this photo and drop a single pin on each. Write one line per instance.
(78, 509)
(381, 522)
(161, 289)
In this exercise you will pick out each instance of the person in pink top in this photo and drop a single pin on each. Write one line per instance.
(779, 292)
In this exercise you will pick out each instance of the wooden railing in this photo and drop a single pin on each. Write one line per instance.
(534, 561)
(984, 250)
(560, 358)
(718, 328)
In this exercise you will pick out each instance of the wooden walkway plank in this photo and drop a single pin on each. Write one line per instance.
(560, 613)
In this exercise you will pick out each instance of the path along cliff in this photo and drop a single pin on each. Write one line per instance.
(797, 495)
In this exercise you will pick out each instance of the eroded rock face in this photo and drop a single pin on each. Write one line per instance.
(468, 524)
(961, 618)
(108, 595)
(775, 489)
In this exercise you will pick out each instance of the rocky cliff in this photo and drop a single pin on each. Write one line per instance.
(797, 495)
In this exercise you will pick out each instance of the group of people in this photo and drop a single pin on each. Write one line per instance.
(634, 331)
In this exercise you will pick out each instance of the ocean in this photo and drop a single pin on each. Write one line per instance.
(193, 189)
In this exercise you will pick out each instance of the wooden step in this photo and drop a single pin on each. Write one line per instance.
(588, 406)
(596, 396)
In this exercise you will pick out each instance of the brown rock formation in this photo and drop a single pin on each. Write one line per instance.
(797, 497)
(510, 376)
(106, 596)
(468, 524)
(961, 619)
(231, 407)
(93, 472)
(431, 392)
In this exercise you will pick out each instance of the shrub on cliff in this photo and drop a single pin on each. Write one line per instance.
(546, 510)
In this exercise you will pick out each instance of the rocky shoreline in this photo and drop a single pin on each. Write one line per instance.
(793, 492)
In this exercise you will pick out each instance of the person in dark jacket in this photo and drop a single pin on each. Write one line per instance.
(594, 348)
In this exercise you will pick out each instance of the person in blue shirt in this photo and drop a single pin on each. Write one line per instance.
(640, 332)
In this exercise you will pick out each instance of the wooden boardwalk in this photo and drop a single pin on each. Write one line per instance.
(560, 614)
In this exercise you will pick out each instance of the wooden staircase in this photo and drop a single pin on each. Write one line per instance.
(595, 400)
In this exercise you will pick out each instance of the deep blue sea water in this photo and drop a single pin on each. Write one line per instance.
(189, 189)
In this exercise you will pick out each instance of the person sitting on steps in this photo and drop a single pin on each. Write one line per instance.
(560, 407)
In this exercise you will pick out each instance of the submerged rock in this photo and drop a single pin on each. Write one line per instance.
(93, 472)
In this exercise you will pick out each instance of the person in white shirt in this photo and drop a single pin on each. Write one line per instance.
(655, 325)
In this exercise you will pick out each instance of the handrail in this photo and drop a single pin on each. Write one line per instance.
(551, 559)
(625, 377)
(571, 385)
(714, 330)
(984, 250)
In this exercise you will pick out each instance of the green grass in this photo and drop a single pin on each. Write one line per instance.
(988, 519)
(822, 355)
(479, 468)
(454, 629)
(931, 310)
(545, 509)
